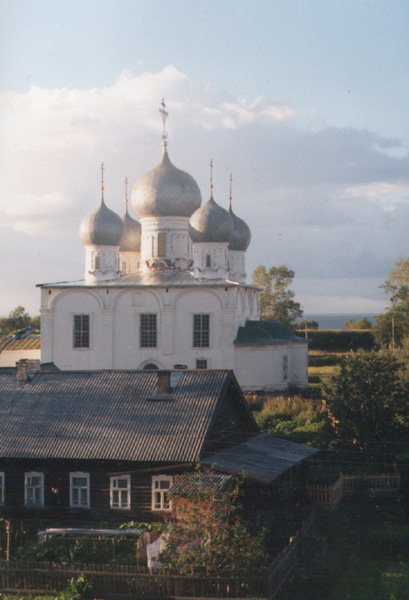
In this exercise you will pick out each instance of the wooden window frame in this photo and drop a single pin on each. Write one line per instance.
(116, 490)
(159, 500)
(77, 503)
(29, 485)
(2, 486)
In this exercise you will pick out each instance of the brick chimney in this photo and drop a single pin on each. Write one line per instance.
(23, 375)
(164, 382)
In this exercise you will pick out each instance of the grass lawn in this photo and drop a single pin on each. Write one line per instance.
(324, 374)
(368, 555)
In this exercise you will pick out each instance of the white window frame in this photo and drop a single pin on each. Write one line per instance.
(159, 495)
(76, 503)
(117, 490)
(2, 486)
(39, 500)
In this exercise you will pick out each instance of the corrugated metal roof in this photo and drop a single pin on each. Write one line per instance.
(107, 415)
(261, 457)
(29, 343)
(197, 482)
(266, 332)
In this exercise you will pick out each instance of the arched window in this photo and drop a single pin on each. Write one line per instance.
(150, 367)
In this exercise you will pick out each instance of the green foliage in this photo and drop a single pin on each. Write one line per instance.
(358, 324)
(18, 319)
(208, 536)
(294, 418)
(83, 549)
(323, 360)
(341, 341)
(393, 325)
(368, 408)
(277, 300)
(79, 588)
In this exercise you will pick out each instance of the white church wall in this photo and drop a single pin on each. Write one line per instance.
(58, 330)
(270, 367)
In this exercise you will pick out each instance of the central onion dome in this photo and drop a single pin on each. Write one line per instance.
(165, 191)
(211, 223)
(241, 237)
(102, 227)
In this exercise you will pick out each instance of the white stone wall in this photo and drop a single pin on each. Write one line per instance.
(261, 367)
(178, 243)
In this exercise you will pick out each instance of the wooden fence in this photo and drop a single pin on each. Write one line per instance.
(116, 580)
(328, 496)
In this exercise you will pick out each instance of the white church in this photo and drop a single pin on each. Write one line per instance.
(168, 292)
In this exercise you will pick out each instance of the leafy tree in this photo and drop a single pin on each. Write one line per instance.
(362, 323)
(277, 299)
(367, 403)
(207, 535)
(18, 319)
(393, 325)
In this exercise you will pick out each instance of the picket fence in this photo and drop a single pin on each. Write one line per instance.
(114, 581)
(329, 496)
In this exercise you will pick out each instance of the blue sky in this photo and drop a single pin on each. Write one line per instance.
(304, 101)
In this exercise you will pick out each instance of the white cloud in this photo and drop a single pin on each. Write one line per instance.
(327, 201)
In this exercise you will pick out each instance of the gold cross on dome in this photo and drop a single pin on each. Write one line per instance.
(230, 197)
(211, 174)
(102, 178)
(126, 192)
(164, 116)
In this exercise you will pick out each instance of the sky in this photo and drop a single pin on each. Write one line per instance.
(304, 102)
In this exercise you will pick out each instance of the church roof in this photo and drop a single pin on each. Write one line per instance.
(165, 191)
(266, 332)
(165, 278)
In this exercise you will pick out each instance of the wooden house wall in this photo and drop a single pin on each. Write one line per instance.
(57, 508)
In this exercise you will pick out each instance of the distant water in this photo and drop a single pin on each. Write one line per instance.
(337, 321)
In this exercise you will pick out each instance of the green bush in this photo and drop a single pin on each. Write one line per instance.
(341, 341)
(324, 360)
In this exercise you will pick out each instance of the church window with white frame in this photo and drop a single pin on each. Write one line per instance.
(79, 490)
(201, 331)
(148, 330)
(81, 331)
(120, 492)
(161, 485)
(34, 489)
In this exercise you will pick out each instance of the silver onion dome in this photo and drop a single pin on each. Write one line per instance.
(211, 223)
(102, 227)
(241, 237)
(131, 237)
(166, 191)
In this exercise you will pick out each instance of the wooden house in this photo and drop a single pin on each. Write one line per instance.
(106, 445)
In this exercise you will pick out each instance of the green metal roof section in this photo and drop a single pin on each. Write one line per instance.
(266, 332)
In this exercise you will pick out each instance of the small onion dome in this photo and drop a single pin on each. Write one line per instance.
(211, 223)
(241, 237)
(166, 191)
(102, 227)
(131, 237)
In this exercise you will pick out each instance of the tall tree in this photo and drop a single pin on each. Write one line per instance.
(392, 326)
(208, 535)
(277, 299)
(367, 404)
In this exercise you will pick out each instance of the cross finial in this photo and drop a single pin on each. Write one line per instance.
(126, 193)
(102, 180)
(211, 175)
(230, 197)
(164, 116)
